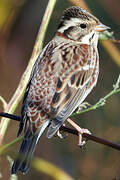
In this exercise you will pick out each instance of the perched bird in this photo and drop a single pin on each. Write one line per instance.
(63, 75)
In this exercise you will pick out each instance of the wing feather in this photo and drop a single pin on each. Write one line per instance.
(67, 108)
(39, 93)
(77, 89)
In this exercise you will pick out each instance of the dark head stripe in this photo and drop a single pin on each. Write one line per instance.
(77, 12)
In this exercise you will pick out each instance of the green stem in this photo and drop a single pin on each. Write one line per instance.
(25, 77)
(50, 169)
(43, 27)
(6, 146)
(40, 164)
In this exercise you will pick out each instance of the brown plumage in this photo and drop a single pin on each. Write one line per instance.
(63, 75)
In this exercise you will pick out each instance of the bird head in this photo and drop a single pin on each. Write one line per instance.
(79, 25)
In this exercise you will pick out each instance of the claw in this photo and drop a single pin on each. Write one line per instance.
(81, 143)
(60, 135)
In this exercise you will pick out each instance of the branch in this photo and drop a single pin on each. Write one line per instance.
(69, 130)
(108, 36)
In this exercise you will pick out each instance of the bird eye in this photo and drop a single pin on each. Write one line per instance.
(83, 26)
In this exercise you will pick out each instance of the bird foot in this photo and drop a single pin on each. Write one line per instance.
(80, 130)
(60, 135)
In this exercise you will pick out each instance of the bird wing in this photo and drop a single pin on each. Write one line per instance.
(39, 94)
(74, 84)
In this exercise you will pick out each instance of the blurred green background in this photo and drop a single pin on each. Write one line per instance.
(19, 24)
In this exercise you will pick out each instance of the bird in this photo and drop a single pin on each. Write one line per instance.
(64, 73)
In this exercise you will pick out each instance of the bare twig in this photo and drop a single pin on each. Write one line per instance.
(71, 131)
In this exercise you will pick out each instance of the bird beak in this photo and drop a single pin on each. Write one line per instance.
(101, 27)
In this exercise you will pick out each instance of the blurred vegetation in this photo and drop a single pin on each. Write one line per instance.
(19, 24)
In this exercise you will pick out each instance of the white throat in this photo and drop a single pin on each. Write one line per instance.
(91, 38)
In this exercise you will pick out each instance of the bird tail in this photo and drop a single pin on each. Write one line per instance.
(27, 149)
(22, 163)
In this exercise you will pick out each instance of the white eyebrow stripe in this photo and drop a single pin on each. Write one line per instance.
(69, 23)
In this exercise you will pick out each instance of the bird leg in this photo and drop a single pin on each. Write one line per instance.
(80, 132)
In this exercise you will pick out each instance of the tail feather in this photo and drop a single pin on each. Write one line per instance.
(22, 163)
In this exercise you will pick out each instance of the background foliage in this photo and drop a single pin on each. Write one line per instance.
(19, 24)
